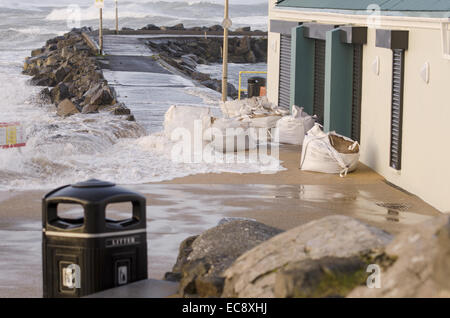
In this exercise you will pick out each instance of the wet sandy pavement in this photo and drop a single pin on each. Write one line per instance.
(176, 211)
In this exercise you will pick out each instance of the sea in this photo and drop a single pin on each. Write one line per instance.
(61, 151)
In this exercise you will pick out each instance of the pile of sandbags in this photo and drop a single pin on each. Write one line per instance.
(180, 120)
(292, 129)
(258, 112)
(229, 135)
(329, 152)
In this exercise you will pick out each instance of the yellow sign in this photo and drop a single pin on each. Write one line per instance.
(11, 135)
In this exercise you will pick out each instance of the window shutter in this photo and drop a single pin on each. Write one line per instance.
(284, 98)
(319, 80)
(357, 88)
(397, 108)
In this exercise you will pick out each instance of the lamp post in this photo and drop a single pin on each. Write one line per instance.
(100, 32)
(117, 17)
(226, 24)
(100, 4)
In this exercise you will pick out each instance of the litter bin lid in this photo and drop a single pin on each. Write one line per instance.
(93, 183)
(92, 191)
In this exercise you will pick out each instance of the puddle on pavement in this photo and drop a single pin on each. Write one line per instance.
(175, 212)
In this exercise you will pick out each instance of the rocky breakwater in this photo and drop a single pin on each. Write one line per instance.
(74, 82)
(185, 53)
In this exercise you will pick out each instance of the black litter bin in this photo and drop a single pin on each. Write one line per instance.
(92, 253)
(254, 86)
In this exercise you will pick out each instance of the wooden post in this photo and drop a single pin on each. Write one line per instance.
(100, 32)
(117, 18)
(225, 56)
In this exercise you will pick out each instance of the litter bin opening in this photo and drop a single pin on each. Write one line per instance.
(70, 211)
(66, 215)
(122, 214)
(119, 212)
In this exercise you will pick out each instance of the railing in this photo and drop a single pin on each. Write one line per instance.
(240, 80)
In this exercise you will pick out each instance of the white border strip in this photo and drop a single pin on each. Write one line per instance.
(96, 235)
(299, 14)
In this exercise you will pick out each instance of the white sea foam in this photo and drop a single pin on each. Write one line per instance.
(66, 150)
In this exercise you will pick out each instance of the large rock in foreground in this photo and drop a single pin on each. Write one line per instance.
(203, 259)
(254, 274)
(422, 268)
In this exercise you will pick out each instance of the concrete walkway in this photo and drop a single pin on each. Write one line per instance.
(141, 82)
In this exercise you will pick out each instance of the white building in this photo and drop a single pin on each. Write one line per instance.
(374, 70)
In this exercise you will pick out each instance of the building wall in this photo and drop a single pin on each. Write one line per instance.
(426, 115)
(426, 109)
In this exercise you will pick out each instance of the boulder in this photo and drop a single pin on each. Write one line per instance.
(42, 79)
(37, 52)
(66, 52)
(66, 108)
(130, 118)
(243, 46)
(120, 109)
(178, 27)
(51, 60)
(250, 57)
(217, 86)
(151, 27)
(203, 259)
(216, 28)
(103, 96)
(30, 68)
(59, 93)
(189, 60)
(61, 73)
(201, 77)
(254, 273)
(90, 109)
(243, 29)
(422, 268)
(52, 48)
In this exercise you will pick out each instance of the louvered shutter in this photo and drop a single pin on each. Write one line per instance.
(357, 88)
(319, 80)
(397, 108)
(284, 99)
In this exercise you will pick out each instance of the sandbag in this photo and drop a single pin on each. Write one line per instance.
(232, 108)
(251, 106)
(291, 130)
(233, 142)
(229, 135)
(329, 153)
(221, 125)
(263, 121)
(185, 117)
(308, 121)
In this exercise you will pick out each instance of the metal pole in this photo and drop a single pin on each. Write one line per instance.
(117, 18)
(225, 57)
(100, 32)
